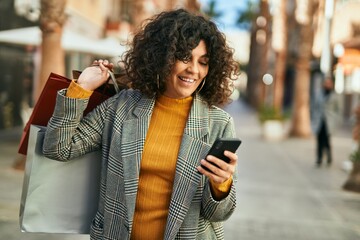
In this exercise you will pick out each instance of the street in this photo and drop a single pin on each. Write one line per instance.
(281, 194)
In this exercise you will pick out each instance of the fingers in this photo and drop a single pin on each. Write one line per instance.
(232, 156)
(94, 76)
(219, 170)
(223, 165)
(104, 66)
(95, 63)
(218, 166)
(214, 173)
(103, 63)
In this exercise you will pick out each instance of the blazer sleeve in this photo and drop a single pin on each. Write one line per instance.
(68, 134)
(218, 211)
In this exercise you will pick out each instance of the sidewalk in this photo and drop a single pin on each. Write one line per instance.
(281, 195)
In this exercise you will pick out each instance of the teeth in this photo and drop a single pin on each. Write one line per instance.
(190, 80)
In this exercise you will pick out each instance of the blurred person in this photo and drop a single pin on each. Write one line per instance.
(324, 120)
(154, 137)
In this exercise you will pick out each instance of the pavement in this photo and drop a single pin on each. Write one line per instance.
(281, 194)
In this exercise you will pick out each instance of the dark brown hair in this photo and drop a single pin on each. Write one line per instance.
(171, 36)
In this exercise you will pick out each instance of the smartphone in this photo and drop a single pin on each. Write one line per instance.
(222, 144)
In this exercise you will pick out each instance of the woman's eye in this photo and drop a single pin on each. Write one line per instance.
(204, 63)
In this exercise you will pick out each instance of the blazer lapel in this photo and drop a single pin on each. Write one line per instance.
(193, 148)
(132, 144)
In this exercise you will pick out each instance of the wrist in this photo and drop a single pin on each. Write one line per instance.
(77, 91)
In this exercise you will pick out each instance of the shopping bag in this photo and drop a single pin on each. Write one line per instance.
(45, 105)
(58, 197)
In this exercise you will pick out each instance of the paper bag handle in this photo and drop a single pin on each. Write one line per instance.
(112, 77)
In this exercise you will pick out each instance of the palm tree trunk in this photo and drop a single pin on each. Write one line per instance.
(257, 66)
(353, 181)
(301, 114)
(301, 126)
(280, 46)
(52, 19)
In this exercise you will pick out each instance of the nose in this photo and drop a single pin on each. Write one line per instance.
(193, 67)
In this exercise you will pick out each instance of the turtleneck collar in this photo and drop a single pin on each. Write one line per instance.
(164, 100)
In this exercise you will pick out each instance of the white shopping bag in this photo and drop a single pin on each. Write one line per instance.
(58, 197)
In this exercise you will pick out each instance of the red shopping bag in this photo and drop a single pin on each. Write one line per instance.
(45, 105)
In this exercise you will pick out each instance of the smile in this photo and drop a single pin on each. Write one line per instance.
(189, 80)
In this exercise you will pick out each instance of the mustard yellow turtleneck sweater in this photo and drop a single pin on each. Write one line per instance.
(158, 164)
(158, 167)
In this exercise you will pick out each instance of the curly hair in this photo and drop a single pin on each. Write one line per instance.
(171, 36)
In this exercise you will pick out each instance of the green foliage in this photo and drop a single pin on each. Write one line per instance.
(247, 17)
(270, 113)
(355, 156)
(212, 12)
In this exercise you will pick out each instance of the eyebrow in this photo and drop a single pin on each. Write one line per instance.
(205, 56)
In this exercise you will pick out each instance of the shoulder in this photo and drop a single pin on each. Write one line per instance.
(124, 100)
(127, 96)
(129, 93)
(221, 124)
(218, 113)
(214, 112)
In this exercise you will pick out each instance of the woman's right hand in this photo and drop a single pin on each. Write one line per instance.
(96, 75)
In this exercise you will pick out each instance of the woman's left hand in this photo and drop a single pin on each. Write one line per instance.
(221, 171)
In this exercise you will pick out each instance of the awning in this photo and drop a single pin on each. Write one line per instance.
(71, 41)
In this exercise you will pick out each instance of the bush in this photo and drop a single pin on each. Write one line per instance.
(270, 113)
(355, 156)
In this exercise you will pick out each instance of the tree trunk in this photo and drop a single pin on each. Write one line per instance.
(301, 112)
(257, 66)
(279, 36)
(280, 69)
(301, 126)
(52, 19)
(252, 90)
(353, 181)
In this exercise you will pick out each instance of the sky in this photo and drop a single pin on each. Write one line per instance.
(239, 39)
(229, 10)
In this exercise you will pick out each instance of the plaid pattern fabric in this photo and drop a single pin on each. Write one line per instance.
(118, 126)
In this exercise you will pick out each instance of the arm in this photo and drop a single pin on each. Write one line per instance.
(68, 135)
(219, 198)
(221, 173)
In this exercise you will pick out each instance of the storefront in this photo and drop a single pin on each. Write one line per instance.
(347, 76)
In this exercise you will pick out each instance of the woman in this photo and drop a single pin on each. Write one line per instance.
(154, 137)
(325, 118)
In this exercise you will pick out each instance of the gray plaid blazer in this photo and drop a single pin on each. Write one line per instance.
(118, 127)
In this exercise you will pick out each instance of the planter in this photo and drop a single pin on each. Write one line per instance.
(353, 182)
(273, 130)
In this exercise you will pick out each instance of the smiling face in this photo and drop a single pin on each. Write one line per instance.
(185, 77)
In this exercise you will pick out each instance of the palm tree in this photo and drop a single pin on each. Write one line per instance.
(301, 115)
(52, 19)
(353, 181)
(246, 18)
(279, 35)
(212, 12)
(259, 45)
